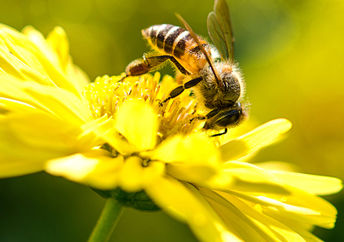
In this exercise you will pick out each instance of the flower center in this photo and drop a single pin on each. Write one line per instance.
(106, 94)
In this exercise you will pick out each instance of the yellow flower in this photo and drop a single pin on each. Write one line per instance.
(114, 134)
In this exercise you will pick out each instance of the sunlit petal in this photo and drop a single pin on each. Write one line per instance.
(274, 228)
(94, 169)
(134, 176)
(320, 185)
(185, 203)
(191, 158)
(138, 123)
(244, 226)
(29, 139)
(255, 140)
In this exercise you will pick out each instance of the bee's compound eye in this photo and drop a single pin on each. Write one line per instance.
(231, 117)
(231, 85)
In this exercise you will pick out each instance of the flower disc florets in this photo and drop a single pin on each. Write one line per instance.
(106, 94)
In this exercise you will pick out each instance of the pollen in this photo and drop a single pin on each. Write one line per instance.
(176, 116)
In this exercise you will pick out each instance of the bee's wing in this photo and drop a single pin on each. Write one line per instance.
(220, 29)
(206, 55)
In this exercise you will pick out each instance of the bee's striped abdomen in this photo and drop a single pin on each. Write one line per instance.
(171, 37)
(168, 38)
(161, 35)
(176, 41)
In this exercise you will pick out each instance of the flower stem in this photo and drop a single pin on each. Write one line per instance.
(107, 221)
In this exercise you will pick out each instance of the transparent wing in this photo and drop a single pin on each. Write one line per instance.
(220, 29)
(194, 36)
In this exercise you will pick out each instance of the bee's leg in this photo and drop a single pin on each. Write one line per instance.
(212, 113)
(178, 90)
(209, 115)
(176, 63)
(219, 134)
(199, 117)
(149, 63)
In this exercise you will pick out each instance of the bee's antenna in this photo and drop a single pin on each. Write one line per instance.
(194, 36)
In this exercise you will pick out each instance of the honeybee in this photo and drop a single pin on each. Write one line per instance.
(215, 77)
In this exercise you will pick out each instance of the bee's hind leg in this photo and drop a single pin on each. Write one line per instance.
(178, 90)
(149, 63)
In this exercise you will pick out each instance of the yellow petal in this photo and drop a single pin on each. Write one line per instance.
(38, 129)
(11, 105)
(93, 168)
(191, 158)
(29, 56)
(255, 140)
(134, 176)
(38, 40)
(265, 187)
(104, 129)
(275, 229)
(57, 40)
(138, 123)
(320, 185)
(49, 54)
(63, 104)
(245, 177)
(185, 203)
(301, 228)
(12, 88)
(300, 217)
(11, 168)
(238, 220)
(245, 126)
(29, 139)
(299, 206)
(18, 57)
(278, 165)
(326, 216)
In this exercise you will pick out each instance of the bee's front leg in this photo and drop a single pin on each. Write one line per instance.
(209, 115)
(219, 134)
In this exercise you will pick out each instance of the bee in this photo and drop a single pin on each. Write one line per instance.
(215, 77)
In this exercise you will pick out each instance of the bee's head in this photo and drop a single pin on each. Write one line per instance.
(226, 118)
(223, 89)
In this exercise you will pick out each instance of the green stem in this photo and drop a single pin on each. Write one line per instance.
(107, 221)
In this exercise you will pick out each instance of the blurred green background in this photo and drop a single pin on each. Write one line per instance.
(291, 53)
